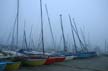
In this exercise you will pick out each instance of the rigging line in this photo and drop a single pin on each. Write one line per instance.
(12, 43)
(13, 30)
(84, 40)
(76, 31)
(24, 44)
(50, 25)
(39, 43)
(73, 35)
(30, 36)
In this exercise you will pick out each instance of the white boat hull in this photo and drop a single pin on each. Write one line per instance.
(69, 57)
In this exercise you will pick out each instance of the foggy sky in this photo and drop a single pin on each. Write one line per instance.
(91, 15)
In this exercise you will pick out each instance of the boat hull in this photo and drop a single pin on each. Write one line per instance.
(86, 55)
(33, 62)
(11, 66)
(2, 66)
(69, 57)
(59, 59)
(105, 54)
(50, 60)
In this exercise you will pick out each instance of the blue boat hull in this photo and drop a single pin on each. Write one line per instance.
(85, 54)
(2, 66)
(81, 54)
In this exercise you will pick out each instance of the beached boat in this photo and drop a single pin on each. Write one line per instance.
(2, 66)
(85, 54)
(105, 54)
(31, 58)
(11, 62)
(59, 58)
(50, 60)
(68, 55)
(33, 62)
(12, 66)
(34, 54)
(53, 59)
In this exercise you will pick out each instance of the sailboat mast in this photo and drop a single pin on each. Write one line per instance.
(24, 44)
(64, 42)
(77, 33)
(31, 41)
(105, 46)
(84, 40)
(73, 34)
(50, 24)
(17, 23)
(42, 39)
(25, 39)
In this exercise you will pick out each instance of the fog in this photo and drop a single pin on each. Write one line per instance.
(90, 15)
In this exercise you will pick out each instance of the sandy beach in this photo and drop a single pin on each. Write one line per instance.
(92, 64)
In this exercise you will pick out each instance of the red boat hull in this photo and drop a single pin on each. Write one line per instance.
(59, 59)
(50, 60)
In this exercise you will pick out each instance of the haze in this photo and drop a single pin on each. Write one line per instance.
(90, 15)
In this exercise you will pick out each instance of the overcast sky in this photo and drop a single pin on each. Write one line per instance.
(90, 15)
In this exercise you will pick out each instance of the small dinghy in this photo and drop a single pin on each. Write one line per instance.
(12, 66)
(2, 66)
(50, 59)
(33, 62)
(59, 57)
(54, 57)
(32, 58)
(8, 60)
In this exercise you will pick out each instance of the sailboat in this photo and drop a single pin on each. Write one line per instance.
(14, 65)
(68, 55)
(47, 59)
(84, 53)
(10, 64)
(55, 56)
(41, 57)
(30, 59)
